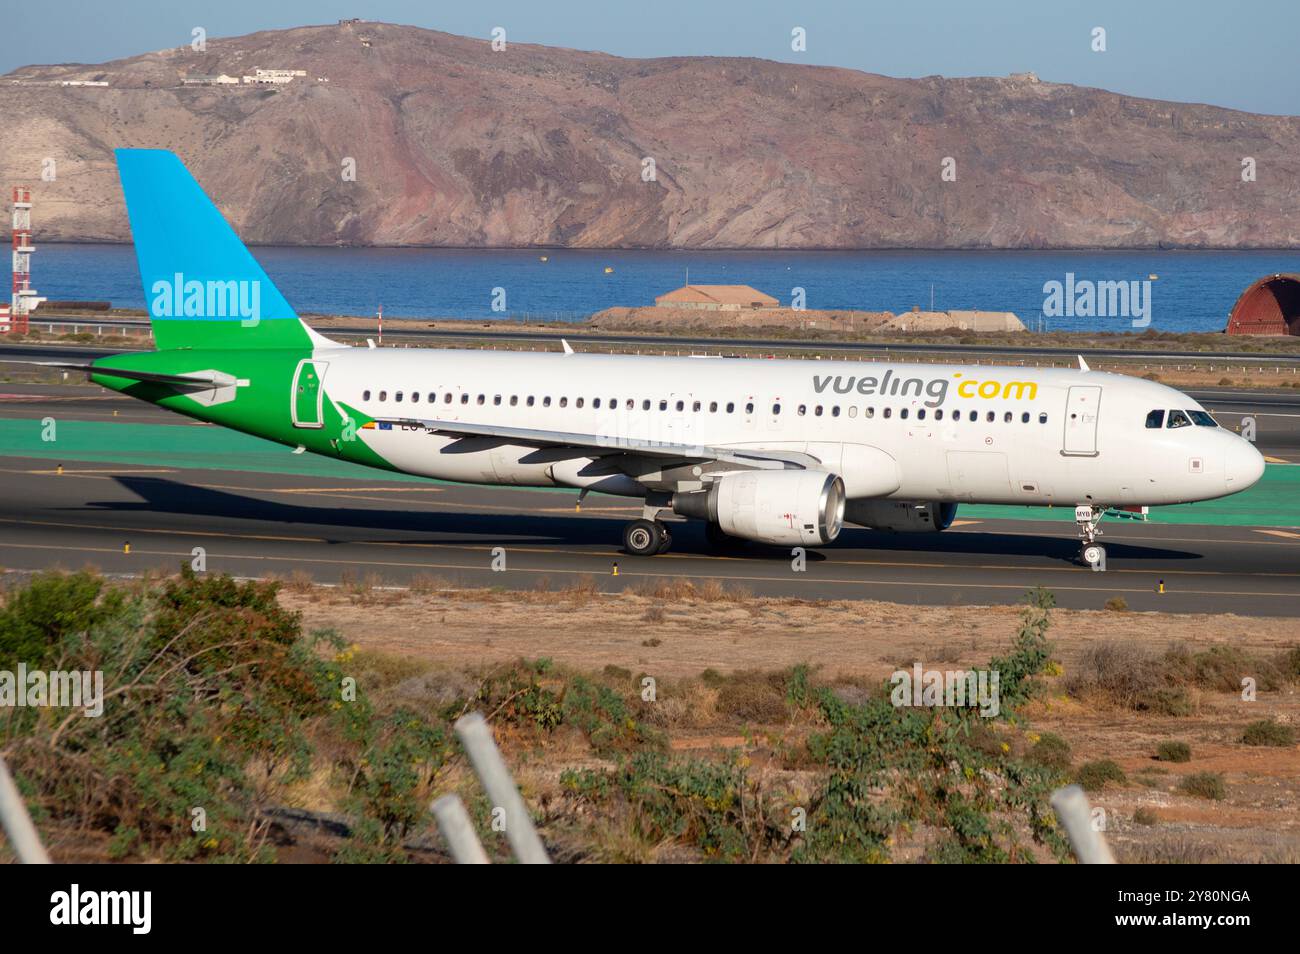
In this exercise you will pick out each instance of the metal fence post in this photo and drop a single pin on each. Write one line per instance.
(456, 827)
(1071, 807)
(476, 737)
(17, 823)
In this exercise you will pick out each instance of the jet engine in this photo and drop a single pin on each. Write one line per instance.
(903, 516)
(785, 507)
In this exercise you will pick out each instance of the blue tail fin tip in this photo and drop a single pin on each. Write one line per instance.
(192, 264)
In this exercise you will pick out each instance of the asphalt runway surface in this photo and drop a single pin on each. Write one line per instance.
(254, 524)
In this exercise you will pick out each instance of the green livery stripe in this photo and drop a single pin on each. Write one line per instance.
(261, 403)
(194, 333)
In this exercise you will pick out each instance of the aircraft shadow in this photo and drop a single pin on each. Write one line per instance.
(161, 496)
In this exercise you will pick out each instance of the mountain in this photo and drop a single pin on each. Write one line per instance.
(458, 145)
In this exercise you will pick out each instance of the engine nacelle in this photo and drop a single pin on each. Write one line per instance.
(903, 516)
(785, 507)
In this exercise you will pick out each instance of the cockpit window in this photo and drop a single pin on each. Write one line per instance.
(1178, 419)
(1156, 419)
(1201, 419)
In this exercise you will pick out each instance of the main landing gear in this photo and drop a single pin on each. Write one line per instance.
(1091, 553)
(646, 538)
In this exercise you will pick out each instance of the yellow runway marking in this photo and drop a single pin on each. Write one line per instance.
(557, 551)
(629, 572)
(1281, 533)
(1275, 460)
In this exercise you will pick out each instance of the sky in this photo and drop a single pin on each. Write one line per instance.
(1236, 54)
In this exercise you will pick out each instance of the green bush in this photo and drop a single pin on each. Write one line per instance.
(1204, 785)
(1174, 752)
(1268, 732)
(1093, 776)
(1052, 751)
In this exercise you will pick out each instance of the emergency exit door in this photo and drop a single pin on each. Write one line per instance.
(308, 396)
(1082, 411)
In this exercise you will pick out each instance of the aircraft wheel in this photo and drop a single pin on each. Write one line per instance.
(667, 541)
(643, 537)
(1092, 554)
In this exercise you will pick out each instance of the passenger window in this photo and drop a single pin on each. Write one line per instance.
(938, 414)
(749, 408)
(871, 412)
(365, 395)
(514, 400)
(481, 399)
(497, 400)
(564, 402)
(886, 412)
(415, 397)
(1042, 418)
(1178, 419)
(446, 398)
(663, 405)
(433, 396)
(1156, 419)
(645, 405)
(974, 415)
(1201, 419)
(817, 411)
(776, 409)
(383, 395)
(853, 410)
(731, 406)
(681, 405)
(713, 407)
(803, 409)
(546, 401)
(398, 397)
(1006, 418)
(531, 400)
(903, 414)
(920, 414)
(1024, 418)
(464, 398)
(835, 411)
(596, 403)
(695, 406)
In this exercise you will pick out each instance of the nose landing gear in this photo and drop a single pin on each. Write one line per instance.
(1088, 519)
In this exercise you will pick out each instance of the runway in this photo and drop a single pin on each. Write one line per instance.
(253, 523)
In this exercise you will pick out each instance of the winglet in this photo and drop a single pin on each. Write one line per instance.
(1083, 365)
(567, 349)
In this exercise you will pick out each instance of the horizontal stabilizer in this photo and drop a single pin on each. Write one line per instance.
(206, 379)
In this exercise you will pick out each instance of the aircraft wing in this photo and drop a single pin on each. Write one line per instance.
(746, 458)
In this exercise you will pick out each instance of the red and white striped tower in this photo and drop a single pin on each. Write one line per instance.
(24, 296)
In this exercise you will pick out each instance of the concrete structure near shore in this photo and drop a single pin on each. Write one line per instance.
(961, 320)
(716, 298)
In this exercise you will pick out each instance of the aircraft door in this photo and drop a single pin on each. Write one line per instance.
(308, 396)
(1082, 411)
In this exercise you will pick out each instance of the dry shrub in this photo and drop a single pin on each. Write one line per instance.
(754, 696)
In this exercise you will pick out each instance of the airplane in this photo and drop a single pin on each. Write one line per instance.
(779, 452)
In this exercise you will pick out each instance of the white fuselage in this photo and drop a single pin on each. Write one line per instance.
(954, 433)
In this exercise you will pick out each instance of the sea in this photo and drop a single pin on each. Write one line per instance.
(1185, 290)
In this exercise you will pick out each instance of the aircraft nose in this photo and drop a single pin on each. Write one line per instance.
(1243, 467)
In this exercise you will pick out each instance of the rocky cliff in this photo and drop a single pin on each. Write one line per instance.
(455, 144)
